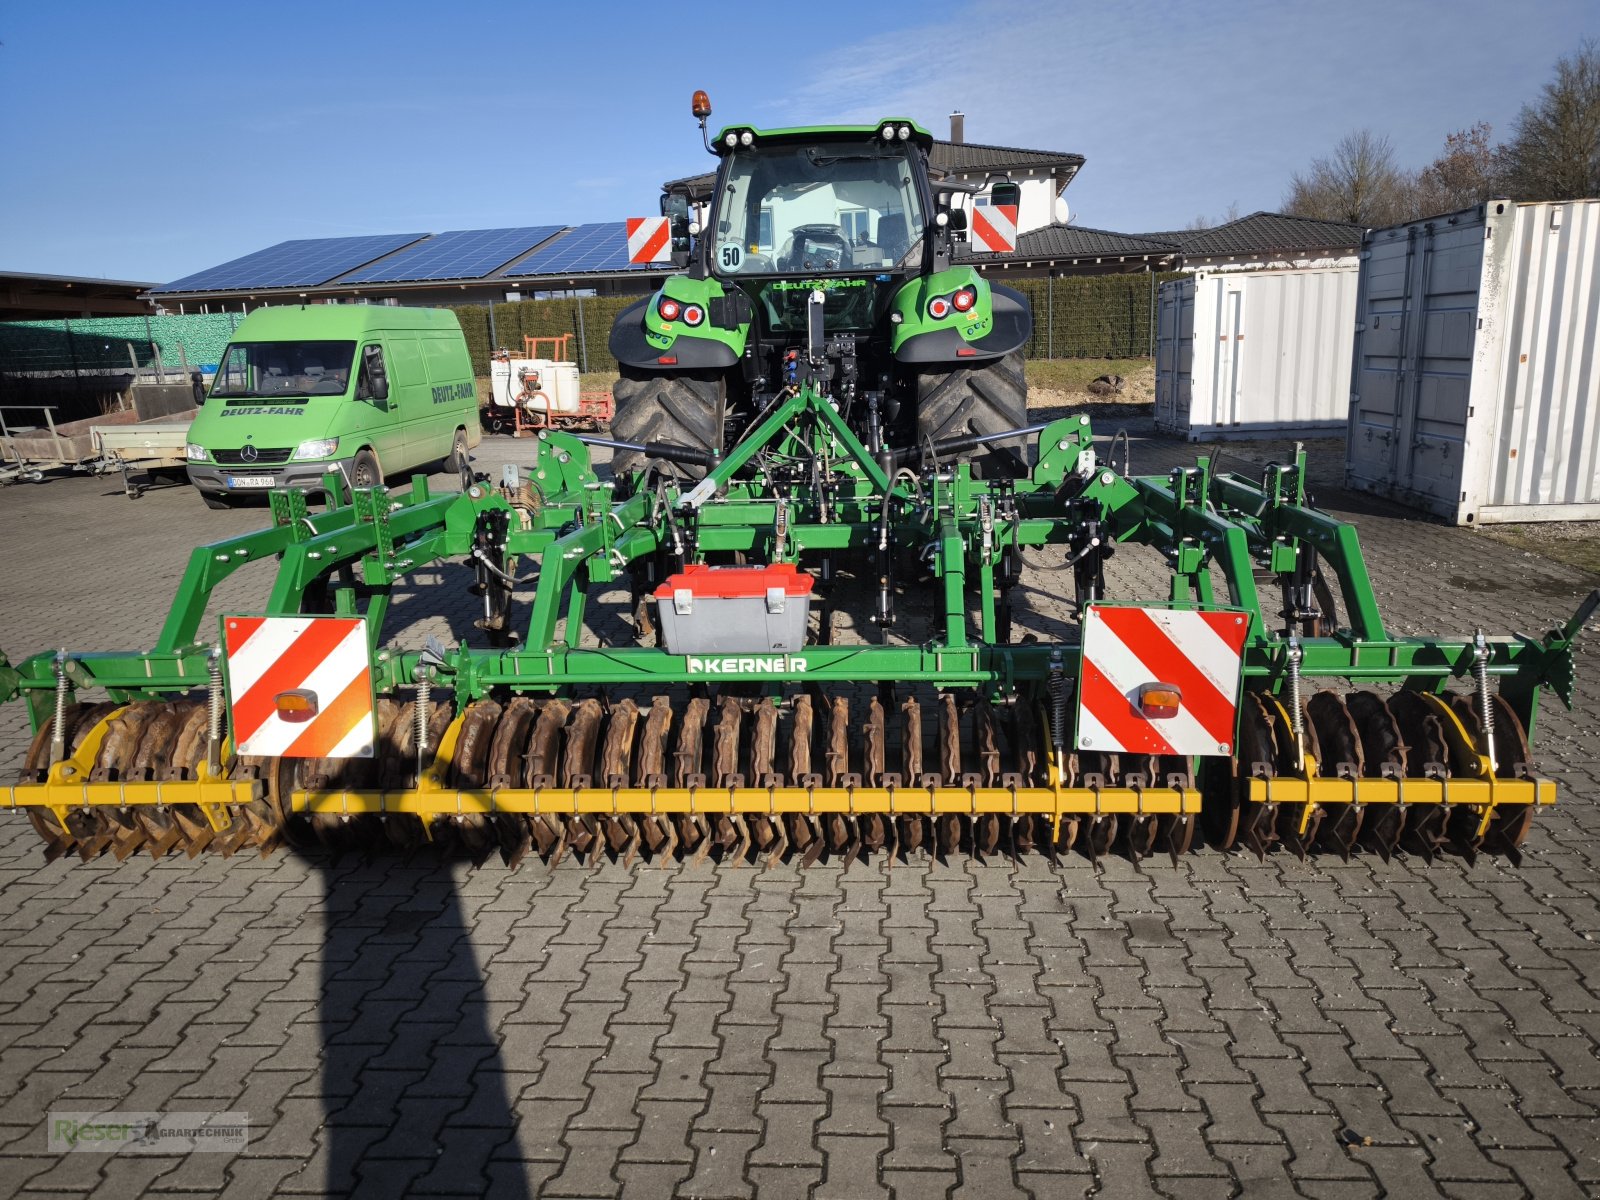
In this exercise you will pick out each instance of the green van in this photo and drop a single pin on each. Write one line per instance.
(366, 390)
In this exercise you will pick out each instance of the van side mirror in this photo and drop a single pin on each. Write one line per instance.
(374, 379)
(675, 207)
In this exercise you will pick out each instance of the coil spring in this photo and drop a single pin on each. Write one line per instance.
(1058, 704)
(424, 701)
(1296, 709)
(1480, 673)
(58, 736)
(214, 698)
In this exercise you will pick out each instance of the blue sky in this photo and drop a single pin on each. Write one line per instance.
(147, 141)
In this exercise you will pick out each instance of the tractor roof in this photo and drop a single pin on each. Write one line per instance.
(816, 133)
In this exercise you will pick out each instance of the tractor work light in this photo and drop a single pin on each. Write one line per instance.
(1159, 700)
(730, 140)
(747, 138)
(905, 132)
(297, 706)
(887, 133)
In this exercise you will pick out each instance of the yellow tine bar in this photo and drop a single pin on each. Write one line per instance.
(430, 801)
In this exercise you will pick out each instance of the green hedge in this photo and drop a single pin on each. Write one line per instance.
(545, 318)
(99, 344)
(1092, 316)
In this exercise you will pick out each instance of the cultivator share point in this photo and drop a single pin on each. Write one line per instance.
(841, 430)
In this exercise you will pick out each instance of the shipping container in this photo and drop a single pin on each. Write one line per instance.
(1476, 381)
(1255, 354)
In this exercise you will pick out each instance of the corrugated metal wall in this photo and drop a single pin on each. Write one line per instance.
(1549, 411)
(1256, 354)
(1476, 392)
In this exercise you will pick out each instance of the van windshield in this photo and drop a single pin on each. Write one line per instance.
(283, 369)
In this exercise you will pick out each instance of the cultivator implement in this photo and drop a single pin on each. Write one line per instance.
(1259, 703)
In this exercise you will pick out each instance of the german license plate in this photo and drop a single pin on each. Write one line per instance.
(250, 481)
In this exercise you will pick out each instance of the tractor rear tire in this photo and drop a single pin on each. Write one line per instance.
(982, 399)
(682, 409)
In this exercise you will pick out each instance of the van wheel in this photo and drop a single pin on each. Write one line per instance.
(460, 460)
(364, 470)
(215, 501)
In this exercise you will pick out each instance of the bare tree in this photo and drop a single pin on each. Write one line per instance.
(1464, 175)
(1359, 183)
(1230, 214)
(1554, 151)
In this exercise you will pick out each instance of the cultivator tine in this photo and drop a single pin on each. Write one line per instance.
(1507, 829)
(875, 747)
(836, 759)
(764, 747)
(725, 771)
(691, 741)
(1174, 835)
(911, 740)
(949, 739)
(473, 768)
(1339, 742)
(988, 743)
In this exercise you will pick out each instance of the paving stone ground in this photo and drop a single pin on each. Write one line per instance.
(406, 1026)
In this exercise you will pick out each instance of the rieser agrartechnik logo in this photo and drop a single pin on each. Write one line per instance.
(148, 1132)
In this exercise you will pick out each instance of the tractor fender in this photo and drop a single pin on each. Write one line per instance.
(1010, 325)
(641, 338)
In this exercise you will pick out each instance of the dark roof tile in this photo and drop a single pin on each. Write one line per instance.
(1268, 232)
(1077, 241)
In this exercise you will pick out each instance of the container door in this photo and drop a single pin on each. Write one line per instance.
(1169, 304)
(1229, 350)
(1436, 395)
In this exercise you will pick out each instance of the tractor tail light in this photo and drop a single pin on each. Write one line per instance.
(964, 300)
(939, 308)
(693, 314)
(1159, 700)
(668, 309)
(297, 706)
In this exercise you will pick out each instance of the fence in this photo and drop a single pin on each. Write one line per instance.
(1098, 316)
(97, 345)
(1102, 316)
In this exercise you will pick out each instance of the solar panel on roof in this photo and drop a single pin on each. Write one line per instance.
(457, 254)
(598, 247)
(304, 262)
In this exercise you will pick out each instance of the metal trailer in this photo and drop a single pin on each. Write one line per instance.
(1244, 354)
(1476, 388)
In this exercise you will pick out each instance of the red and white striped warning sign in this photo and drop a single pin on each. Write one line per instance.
(994, 227)
(649, 240)
(322, 664)
(1197, 654)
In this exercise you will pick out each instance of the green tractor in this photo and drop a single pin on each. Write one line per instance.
(827, 258)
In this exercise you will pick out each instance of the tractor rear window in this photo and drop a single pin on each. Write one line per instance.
(826, 208)
(278, 370)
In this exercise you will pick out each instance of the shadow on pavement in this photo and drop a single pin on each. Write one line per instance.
(412, 1079)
